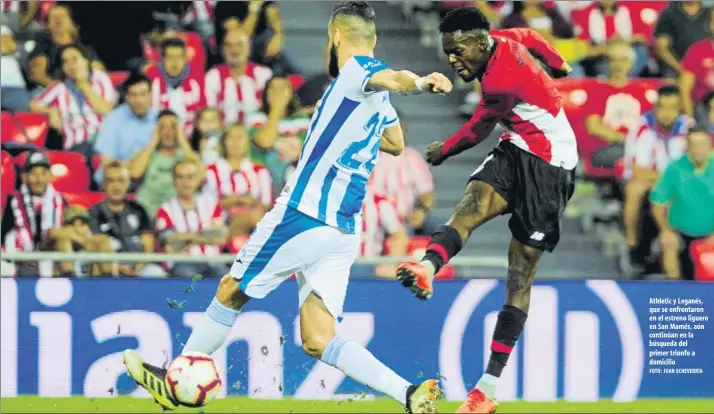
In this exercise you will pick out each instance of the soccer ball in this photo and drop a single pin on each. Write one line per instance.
(193, 379)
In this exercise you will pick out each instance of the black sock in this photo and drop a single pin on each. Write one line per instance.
(445, 243)
(508, 328)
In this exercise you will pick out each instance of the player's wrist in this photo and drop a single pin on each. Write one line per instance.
(420, 84)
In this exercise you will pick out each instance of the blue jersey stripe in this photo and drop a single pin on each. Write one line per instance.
(317, 115)
(325, 193)
(351, 203)
(347, 106)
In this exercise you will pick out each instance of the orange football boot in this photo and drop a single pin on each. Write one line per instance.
(478, 402)
(415, 276)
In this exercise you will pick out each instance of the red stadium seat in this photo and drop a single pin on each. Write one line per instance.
(417, 247)
(8, 177)
(702, 253)
(296, 81)
(69, 170)
(86, 199)
(24, 128)
(118, 78)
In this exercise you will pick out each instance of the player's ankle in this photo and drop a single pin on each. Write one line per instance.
(430, 267)
(488, 384)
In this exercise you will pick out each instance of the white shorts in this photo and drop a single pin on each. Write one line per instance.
(287, 242)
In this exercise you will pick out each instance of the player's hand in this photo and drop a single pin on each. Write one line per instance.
(437, 83)
(435, 153)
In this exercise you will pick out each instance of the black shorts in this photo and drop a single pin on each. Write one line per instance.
(536, 192)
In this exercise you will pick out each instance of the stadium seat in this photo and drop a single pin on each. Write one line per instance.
(416, 249)
(86, 199)
(118, 77)
(8, 177)
(24, 128)
(702, 253)
(64, 162)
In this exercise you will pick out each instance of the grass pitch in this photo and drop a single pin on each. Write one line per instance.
(33, 404)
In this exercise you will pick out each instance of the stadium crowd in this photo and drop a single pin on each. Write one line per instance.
(186, 148)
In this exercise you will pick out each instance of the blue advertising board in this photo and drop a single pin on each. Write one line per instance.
(584, 340)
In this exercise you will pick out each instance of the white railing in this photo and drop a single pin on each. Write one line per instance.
(471, 261)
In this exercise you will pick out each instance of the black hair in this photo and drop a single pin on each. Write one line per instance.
(172, 42)
(294, 104)
(464, 19)
(668, 90)
(82, 51)
(166, 112)
(698, 130)
(135, 78)
(358, 9)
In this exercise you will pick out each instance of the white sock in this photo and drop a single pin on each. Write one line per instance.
(488, 384)
(359, 364)
(429, 268)
(213, 330)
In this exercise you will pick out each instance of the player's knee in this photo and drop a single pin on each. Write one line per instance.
(229, 293)
(314, 344)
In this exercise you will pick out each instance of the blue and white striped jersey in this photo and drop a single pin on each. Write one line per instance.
(341, 148)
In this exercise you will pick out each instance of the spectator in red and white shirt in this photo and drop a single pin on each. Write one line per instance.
(77, 104)
(383, 231)
(696, 78)
(174, 86)
(659, 138)
(191, 223)
(602, 22)
(243, 188)
(407, 181)
(616, 104)
(18, 15)
(236, 87)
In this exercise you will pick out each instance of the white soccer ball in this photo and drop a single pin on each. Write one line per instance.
(193, 379)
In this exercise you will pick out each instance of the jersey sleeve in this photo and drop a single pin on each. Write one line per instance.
(535, 43)
(390, 114)
(357, 72)
(50, 96)
(488, 113)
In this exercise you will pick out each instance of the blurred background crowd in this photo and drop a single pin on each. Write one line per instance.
(172, 126)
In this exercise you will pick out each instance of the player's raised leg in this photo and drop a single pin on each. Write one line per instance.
(480, 204)
(522, 266)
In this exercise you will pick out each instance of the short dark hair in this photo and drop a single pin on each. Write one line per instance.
(172, 42)
(698, 130)
(668, 90)
(135, 78)
(166, 112)
(464, 19)
(358, 9)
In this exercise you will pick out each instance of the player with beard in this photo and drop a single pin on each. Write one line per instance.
(313, 229)
(529, 175)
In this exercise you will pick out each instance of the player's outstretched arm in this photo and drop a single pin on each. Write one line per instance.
(392, 140)
(408, 83)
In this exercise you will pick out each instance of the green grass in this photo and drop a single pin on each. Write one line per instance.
(33, 404)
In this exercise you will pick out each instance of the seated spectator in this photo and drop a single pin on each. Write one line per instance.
(261, 21)
(128, 128)
(192, 224)
(45, 59)
(683, 201)
(235, 87)
(76, 236)
(13, 90)
(33, 216)
(278, 133)
(680, 26)
(545, 20)
(207, 134)
(615, 105)
(243, 188)
(173, 86)
(696, 78)
(154, 164)
(658, 140)
(600, 23)
(169, 28)
(76, 105)
(124, 222)
(382, 228)
(19, 15)
(406, 180)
